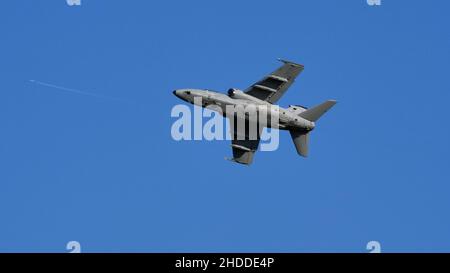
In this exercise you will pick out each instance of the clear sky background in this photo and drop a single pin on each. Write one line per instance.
(107, 173)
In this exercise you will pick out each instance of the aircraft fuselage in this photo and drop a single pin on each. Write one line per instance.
(236, 100)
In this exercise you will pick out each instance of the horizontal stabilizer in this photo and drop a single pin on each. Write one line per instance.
(313, 114)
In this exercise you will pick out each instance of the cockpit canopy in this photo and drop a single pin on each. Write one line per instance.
(297, 109)
(233, 91)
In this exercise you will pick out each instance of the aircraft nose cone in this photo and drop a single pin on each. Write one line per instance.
(179, 94)
(176, 93)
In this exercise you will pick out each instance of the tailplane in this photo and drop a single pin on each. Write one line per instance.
(301, 137)
(313, 114)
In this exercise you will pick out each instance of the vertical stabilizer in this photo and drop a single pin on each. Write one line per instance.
(301, 139)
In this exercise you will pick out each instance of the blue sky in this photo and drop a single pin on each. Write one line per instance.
(107, 173)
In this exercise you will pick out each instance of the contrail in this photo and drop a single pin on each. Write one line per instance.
(78, 91)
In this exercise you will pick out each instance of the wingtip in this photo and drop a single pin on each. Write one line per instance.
(290, 62)
(235, 161)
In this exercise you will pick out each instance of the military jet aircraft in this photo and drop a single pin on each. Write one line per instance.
(298, 120)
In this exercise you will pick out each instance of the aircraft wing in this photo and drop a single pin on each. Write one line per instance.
(244, 147)
(272, 87)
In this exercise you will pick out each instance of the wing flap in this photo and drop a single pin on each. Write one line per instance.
(243, 144)
(272, 87)
(244, 150)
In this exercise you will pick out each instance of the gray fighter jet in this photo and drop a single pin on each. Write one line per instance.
(298, 120)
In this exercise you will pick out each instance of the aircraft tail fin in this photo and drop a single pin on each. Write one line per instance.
(301, 139)
(313, 114)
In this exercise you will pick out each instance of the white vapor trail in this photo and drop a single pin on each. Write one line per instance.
(77, 91)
